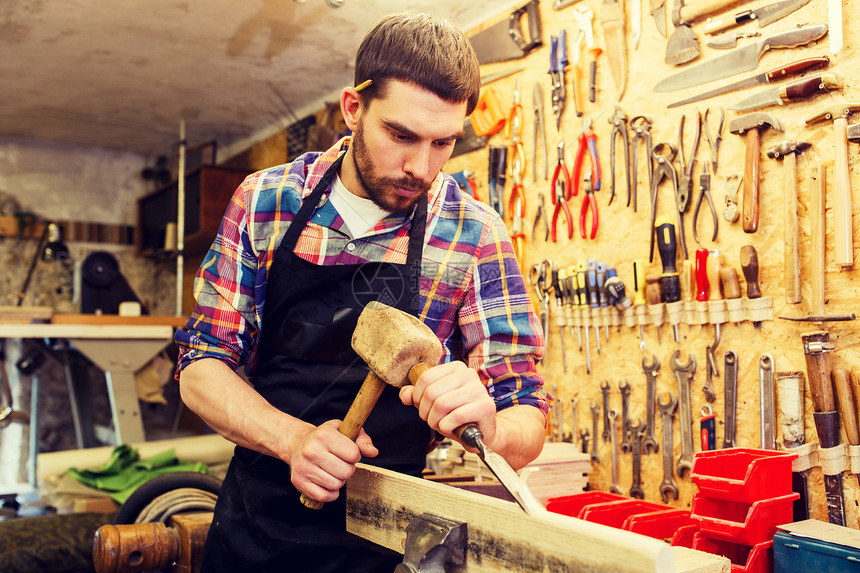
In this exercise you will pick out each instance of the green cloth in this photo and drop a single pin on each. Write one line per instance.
(124, 472)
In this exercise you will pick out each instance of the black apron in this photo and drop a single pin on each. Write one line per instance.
(308, 369)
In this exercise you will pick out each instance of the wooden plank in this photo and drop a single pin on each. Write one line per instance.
(115, 319)
(501, 537)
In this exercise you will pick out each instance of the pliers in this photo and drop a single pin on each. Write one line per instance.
(540, 217)
(705, 191)
(539, 126)
(619, 128)
(587, 141)
(641, 127)
(714, 142)
(557, 64)
(561, 194)
(663, 169)
(588, 202)
(685, 176)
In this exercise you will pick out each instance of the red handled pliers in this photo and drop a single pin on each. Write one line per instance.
(561, 194)
(587, 141)
(588, 202)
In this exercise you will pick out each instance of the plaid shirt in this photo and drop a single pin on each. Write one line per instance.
(471, 292)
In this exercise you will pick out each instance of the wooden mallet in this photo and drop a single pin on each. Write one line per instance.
(398, 348)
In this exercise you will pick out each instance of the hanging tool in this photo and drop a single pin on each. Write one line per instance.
(729, 40)
(568, 284)
(587, 142)
(636, 22)
(816, 351)
(790, 404)
(589, 203)
(654, 298)
(664, 170)
(593, 295)
(540, 219)
(714, 269)
(708, 428)
(764, 15)
(497, 167)
(651, 369)
(847, 406)
(538, 279)
(490, 78)
(705, 192)
(557, 65)
(684, 375)
(767, 410)
(559, 303)
(641, 127)
(799, 90)
(517, 205)
(619, 129)
(750, 126)
(637, 432)
(685, 174)
(749, 266)
(714, 141)
(615, 40)
(670, 282)
(768, 77)
(730, 400)
(582, 303)
(731, 213)
(667, 414)
(613, 440)
(539, 126)
(562, 190)
(683, 45)
(834, 21)
(787, 151)
(584, 18)
(602, 295)
(595, 424)
(639, 298)
(740, 60)
(658, 10)
(843, 230)
(505, 40)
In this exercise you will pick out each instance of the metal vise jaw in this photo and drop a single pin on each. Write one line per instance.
(432, 543)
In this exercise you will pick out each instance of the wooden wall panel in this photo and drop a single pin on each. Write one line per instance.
(623, 235)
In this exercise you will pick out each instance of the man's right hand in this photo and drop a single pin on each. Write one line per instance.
(323, 459)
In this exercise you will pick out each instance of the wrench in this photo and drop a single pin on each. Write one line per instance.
(667, 412)
(684, 375)
(604, 387)
(583, 437)
(624, 388)
(731, 384)
(711, 370)
(637, 432)
(650, 369)
(613, 438)
(768, 413)
(595, 421)
(573, 425)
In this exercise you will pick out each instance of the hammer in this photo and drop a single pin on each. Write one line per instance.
(751, 125)
(398, 348)
(788, 152)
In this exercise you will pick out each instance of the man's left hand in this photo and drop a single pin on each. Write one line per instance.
(450, 395)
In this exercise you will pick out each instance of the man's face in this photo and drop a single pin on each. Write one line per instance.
(400, 143)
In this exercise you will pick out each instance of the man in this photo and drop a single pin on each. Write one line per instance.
(301, 249)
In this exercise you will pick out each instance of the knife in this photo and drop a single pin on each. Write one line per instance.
(740, 60)
(765, 16)
(768, 77)
(795, 91)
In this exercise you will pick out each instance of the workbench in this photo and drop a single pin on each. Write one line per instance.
(120, 346)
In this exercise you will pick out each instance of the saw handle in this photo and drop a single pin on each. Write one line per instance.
(716, 25)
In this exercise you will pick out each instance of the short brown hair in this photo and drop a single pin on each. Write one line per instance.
(422, 50)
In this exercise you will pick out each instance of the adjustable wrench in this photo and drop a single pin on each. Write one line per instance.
(604, 387)
(684, 375)
(667, 412)
(731, 385)
(766, 394)
(613, 439)
(651, 369)
(595, 421)
(624, 388)
(637, 432)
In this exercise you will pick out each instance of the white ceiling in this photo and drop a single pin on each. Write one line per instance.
(122, 74)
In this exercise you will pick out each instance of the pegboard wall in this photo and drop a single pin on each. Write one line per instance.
(623, 234)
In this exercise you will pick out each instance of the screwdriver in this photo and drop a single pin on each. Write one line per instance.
(582, 302)
(617, 292)
(602, 296)
(731, 284)
(569, 301)
(749, 265)
(559, 295)
(593, 295)
(670, 282)
(703, 289)
(639, 296)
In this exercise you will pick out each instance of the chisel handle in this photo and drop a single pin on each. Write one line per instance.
(847, 407)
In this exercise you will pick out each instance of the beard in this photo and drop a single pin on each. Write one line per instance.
(379, 189)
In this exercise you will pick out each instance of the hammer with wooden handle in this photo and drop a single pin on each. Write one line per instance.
(750, 125)
(398, 348)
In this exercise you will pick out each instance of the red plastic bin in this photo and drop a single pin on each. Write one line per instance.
(572, 505)
(743, 474)
(616, 514)
(740, 522)
(685, 535)
(660, 524)
(745, 559)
